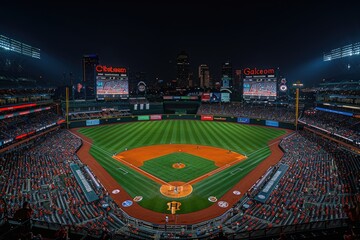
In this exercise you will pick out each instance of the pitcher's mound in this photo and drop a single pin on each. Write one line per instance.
(178, 165)
(176, 189)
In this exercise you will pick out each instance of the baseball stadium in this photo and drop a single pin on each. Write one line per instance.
(263, 159)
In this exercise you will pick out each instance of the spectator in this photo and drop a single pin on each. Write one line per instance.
(23, 215)
(62, 233)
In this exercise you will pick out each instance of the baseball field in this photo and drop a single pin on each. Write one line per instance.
(178, 166)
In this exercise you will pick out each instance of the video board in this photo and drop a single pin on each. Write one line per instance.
(78, 91)
(111, 82)
(259, 84)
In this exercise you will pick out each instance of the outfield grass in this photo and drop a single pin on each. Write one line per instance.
(251, 141)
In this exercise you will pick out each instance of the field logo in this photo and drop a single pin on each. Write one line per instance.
(236, 192)
(223, 204)
(261, 196)
(127, 203)
(212, 199)
(138, 198)
(115, 191)
(173, 206)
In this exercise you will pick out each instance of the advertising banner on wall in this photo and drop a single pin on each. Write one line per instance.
(207, 117)
(92, 122)
(243, 120)
(155, 117)
(215, 97)
(205, 97)
(225, 97)
(272, 123)
(144, 118)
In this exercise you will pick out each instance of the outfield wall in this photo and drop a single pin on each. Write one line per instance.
(159, 117)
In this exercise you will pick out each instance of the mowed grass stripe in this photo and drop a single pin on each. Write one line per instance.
(194, 135)
(113, 138)
(166, 135)
(138, 131)
(218, 132)
(211, 138)
(236, 138)
(161, 136)
(141, 186)
(220, 183)
(150, 133)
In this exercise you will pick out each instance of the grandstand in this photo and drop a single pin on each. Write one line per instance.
(311, 191)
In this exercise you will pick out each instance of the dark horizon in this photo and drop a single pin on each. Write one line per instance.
(147, 36)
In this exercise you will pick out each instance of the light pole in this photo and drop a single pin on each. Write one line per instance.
(297, 85)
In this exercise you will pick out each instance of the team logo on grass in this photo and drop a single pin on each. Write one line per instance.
(127, 203)
(138, 198)
(115, 191)
(212, 199)
(236, 192)
(173, 206)
(223, 204)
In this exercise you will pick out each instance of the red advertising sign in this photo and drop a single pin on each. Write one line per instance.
(17, 107)
(255, 71)
(207, 117)
(106, 69)
(60, 121)
(21, 136)
(155, 117)
(205, 97)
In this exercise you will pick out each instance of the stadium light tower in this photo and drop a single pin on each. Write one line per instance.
(297, 85)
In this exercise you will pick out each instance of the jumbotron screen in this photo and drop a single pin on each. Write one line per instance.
(259, 88)
(111, 82)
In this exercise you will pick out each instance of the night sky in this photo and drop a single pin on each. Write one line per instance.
(148, 35)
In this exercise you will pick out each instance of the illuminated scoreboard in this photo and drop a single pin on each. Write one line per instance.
(111, 82)
(259, 84)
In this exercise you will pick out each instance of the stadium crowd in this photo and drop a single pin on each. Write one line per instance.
(266, 112)
(322, 183)
(40, 174)
(346, 126)
(15, 126)
(100, 114)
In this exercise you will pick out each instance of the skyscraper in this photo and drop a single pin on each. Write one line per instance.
(237, 84)
(89, 63)
(204, 76)
(226, 75)
(182, 77)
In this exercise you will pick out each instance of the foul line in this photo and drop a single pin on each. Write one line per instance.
(158, 180)
(141, 171)
(229, 165)
(215, 171)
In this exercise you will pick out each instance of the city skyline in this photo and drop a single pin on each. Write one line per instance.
(147, 37)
